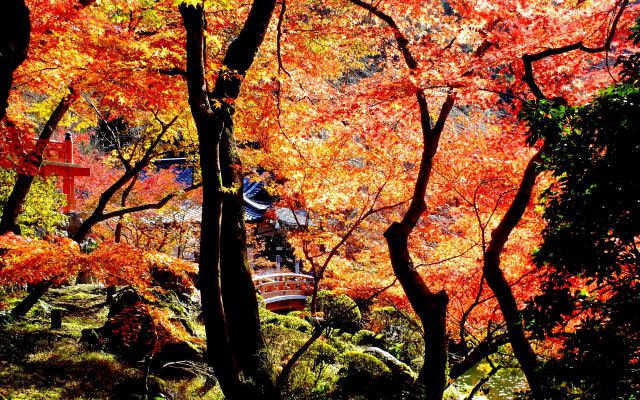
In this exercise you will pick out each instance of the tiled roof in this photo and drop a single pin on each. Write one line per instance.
(254, 204)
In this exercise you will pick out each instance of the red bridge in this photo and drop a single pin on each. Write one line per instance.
(284, 291)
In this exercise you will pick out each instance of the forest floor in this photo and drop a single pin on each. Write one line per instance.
(37, 362)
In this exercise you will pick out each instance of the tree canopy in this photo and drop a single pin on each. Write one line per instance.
(456, 177)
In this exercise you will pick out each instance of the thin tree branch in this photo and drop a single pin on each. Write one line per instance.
(150, 206)
(529, 59)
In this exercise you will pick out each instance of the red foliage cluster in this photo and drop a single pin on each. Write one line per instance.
(30, 261)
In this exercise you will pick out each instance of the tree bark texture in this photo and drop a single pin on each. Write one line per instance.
(238, 291)
(15, 29)
(230, 308)
(431, 307)
(498, 283)
(219, 354)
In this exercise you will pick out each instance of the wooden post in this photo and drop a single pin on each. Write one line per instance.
(279, 252)
(56, 318)
(250, 256)
(68, 183)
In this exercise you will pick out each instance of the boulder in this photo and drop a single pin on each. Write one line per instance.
(136, 331)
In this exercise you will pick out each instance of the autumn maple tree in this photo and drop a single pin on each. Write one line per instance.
(392, 127)
(473, 73)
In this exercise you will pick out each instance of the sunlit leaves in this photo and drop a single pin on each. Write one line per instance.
(31, 261)
(41, 211)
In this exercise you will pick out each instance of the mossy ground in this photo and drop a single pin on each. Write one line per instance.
(37, 362)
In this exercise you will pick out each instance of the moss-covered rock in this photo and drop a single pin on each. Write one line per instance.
(136, 331)
(402, 373)
(364, 374)
(368, 338)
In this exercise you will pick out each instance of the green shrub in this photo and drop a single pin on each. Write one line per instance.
(288, 321)
(322, 352)
(364, 374)
(342, 342)
(368, 338)
(315, 374)
(339, 311)
(282, 342)
(401, 333)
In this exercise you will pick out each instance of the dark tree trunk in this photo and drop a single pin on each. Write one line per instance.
(117, 234)
(238, 291)
(219, 354)
(228, 296)
(31, 165)
(431, 307)
(498, 283)
(15, 29)
(85, 226)
(22, 308)
(209, 281)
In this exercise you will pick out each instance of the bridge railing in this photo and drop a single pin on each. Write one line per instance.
(283, 285)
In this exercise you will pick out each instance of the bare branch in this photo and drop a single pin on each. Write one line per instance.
(529, 59)
(150, 206)
(283, 9)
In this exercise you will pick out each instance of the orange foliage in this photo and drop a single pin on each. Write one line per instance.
(143, 326)
(30, 261)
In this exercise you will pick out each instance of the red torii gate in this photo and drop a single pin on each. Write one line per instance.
(58, 161)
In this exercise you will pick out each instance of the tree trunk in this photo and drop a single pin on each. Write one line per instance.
(498, 283)
(15, 29)
(22, 308)
(85, 227)
(31, 165)
(431, 307)
(117, 234)
(238, 291)
(219, 354)
(229, 303)
(209, 281)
